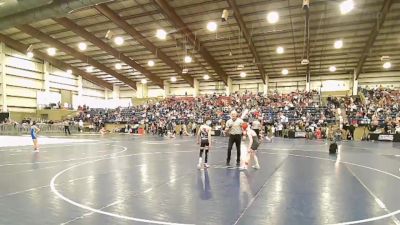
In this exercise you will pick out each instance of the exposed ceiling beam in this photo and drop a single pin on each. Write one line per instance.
(115, 18)
(307, 42)
(55, 62)
(65, 48)
(53, 9)
(70, 25)
(177, 22)
(248, 38)
(372, 37)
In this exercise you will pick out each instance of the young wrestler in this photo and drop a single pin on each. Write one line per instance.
(204, 139)
(254, 143)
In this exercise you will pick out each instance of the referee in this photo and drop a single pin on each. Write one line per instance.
(234, 128)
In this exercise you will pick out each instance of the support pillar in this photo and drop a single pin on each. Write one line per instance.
(142, 90)
(228, 87)
(46, 72)
(307, 86)
(80, 86)
(196, 87)
(308, 78)
(115, 93)
(3, 77)
(266, 85)
(106, 93)
(355, 84)
(166, 89)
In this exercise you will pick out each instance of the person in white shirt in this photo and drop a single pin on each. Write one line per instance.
(256, 127)
(80, 126)
(234, 128)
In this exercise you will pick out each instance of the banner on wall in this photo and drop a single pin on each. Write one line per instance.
(47, 98)
(94, 102)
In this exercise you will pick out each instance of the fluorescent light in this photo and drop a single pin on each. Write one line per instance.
(272, 17)
(338, 44)
(212, 26)
(161, 34)
(346, 6)
(150, 63)
(69, 72)
(29, 54)
(332, 68)
(206, 77)
(82, 46)
(51, 51)
(280, 50)
(188, 59)
(144, 81)
(89, 69)
(387, 65)
(285, 72)
(118, 66)
(243, 74)
(173, 79)
(119, 40)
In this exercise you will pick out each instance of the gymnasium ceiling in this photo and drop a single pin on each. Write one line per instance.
(371, 29)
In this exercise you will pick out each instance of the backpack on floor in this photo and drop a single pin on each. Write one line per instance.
(333, 148)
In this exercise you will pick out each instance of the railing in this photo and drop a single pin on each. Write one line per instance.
(23, 129)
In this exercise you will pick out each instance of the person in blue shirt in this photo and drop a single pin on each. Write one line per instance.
(34, 131)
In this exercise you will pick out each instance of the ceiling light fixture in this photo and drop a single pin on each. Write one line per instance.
(272, 17)
(387, 65)
(206, 77)
(119, 40)
(346, 6)
(332, 69)
(280, 50)
(89, 69)
(82, 46)
(188, 59)
(161, 34)
(285, 72)
(338, 44)
(173, 79)
(118, 66)
(69, 72)
(51, 51)
(150, 63)
(29, 54)
(212, 26)
(143, 81)
(243, 74)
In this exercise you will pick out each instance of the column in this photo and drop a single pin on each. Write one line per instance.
(3, 77)
(196, 91)
(105, 94)
(80, 86)
(142, 90)
(355, 84)
(307, 86)
(266, 85)
(46, 72)
(166, 88)
(308, 78)
(228, 87)
(115, 93)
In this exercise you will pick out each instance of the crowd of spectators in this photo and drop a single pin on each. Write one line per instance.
(278, 114)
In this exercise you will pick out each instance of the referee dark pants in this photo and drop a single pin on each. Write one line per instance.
(234, 138)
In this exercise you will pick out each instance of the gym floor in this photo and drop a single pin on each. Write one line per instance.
(123, 179)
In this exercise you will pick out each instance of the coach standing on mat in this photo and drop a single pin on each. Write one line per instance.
(234, 128)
